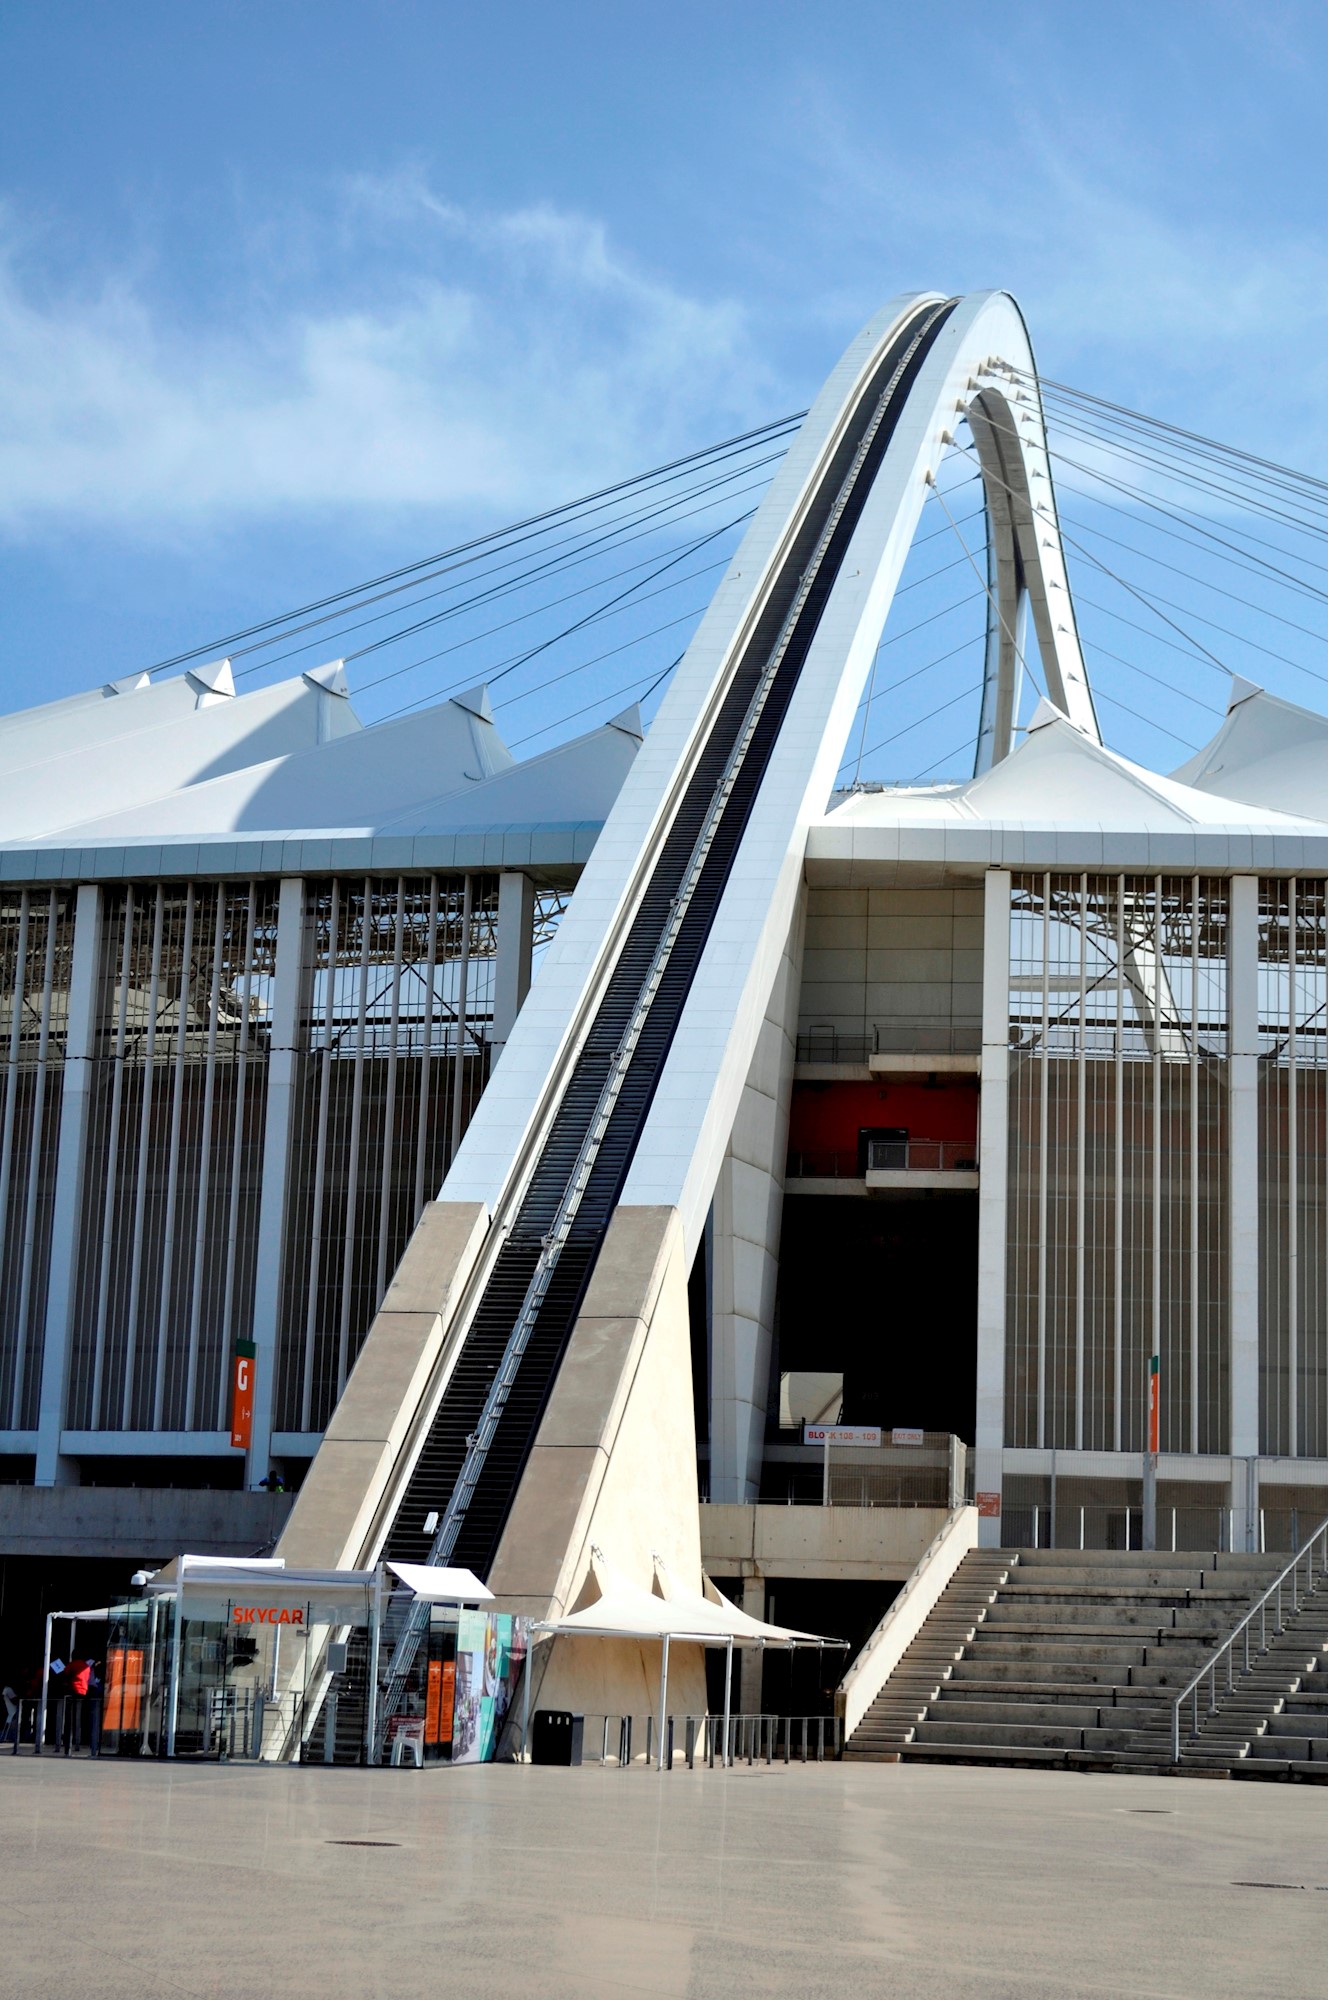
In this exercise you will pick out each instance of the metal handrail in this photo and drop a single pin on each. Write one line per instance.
(1259, 1610)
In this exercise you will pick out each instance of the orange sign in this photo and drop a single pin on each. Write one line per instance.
(447, 1702)
(242, 1395)
(989, 1504)
(1154, 1405)
(124, 1688)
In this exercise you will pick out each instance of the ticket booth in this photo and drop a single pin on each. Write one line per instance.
(253, 1660)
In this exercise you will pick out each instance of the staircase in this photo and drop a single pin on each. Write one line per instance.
(890, 1722)
(1288, 1721)
(1070, 1658)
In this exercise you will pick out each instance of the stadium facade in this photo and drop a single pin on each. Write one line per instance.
(942, 1107)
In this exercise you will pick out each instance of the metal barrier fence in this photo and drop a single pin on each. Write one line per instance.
(904, 1034)
(219, 1724)
(933, 1472)
(1211, 1528)
(73, 1725)
(1285, 1585)
(693, 1739)
(894, 1156)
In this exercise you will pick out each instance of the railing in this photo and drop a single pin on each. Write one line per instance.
(927, 1156)
(905, 1617)
(752, 1739)
(922, 1156)
(904, 1035)
(931, 1472)
(1209, 1527)
(73, 1723)
(1259, 1610)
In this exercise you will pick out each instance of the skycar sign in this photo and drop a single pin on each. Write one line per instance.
(266, 1614)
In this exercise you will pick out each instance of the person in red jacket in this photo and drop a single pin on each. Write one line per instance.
(77, 1679)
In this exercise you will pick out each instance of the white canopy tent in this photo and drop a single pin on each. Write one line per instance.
(626, 1610)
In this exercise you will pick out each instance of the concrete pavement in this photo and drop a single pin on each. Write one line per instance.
(130, 1882)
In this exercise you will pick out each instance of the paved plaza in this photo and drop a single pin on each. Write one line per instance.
(247, 1884)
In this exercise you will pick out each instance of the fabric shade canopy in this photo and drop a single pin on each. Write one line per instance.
(626, 1610)
(436, 1585)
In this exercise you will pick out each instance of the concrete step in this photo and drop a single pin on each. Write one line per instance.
(1099, 1673)
(1053, 1648)
(1028, 1756)
(1292, 1769)
(1012, 1615)
(1299, 1723)
(1099, 1692)
(1303, 1749)
(1020, 1735)
(1067, 1715)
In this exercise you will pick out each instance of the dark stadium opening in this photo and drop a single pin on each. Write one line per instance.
(883, 1290)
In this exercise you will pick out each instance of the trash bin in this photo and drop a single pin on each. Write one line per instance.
(556, 1737)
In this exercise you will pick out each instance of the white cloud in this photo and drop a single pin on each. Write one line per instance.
(1134, 283)
(435, 358)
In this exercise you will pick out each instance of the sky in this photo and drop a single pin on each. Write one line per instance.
(290, 295)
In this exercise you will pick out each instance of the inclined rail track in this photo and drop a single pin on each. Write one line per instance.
(467, 1469)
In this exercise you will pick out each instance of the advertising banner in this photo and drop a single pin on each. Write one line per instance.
(468, 1719)
(489, 1649)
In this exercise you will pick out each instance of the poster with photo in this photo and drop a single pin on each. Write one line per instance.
(468, 1730)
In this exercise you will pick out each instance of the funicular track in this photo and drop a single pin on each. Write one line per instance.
(467, 1468)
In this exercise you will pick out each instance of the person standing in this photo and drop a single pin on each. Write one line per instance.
(78, 1686)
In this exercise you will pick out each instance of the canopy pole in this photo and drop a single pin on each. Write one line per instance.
(525, 1698)
(46, 1682)
(150, 1680)
(728, 1697)
(176, 1648)
(663, 1701)
(372, 1754)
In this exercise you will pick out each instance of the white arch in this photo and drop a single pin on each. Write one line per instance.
(684, 1148)
(678, 1156)
(1026, 566)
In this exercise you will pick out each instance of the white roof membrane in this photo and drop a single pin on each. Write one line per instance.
(1058, 777)
(352, 783)
(1267, 753)
(108, 754)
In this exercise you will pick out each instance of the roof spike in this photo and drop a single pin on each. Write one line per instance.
(131, 684)
(1241, 690)
(1045, 712)
(331, 678)
(213, 679)
(629, 721)
(475, 701)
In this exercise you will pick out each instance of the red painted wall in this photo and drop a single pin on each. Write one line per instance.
(827, 1117)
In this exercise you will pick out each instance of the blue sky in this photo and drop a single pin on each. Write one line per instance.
(290, 294)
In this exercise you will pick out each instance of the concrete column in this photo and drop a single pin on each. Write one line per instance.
(1243, 1164)
(746, 1218)
(282, 1076)
(752, 1658)
(67, 1208)
(511, 971)
(993, 1151)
